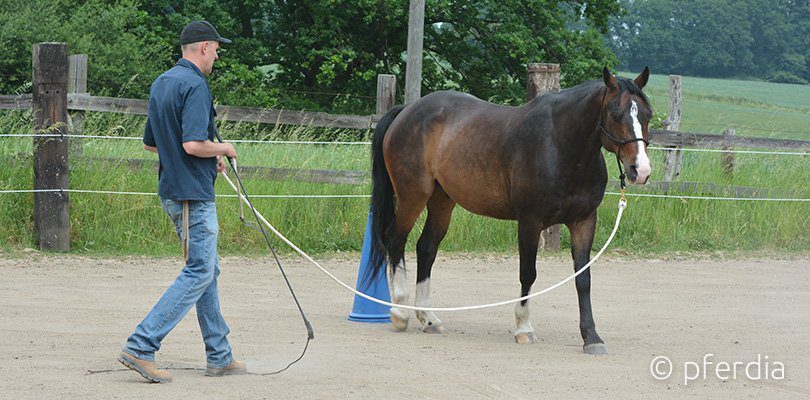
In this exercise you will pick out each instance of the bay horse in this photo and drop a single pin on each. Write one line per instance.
(540, 164)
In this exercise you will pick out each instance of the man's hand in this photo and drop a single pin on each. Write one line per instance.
(230, 151)
(222, 166)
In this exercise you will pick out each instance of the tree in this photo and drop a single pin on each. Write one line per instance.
(284, 47)
(716, 38)
(481, 47)
(115, 36)
(704, 38)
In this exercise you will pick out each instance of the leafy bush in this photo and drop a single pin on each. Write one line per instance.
(786, 77)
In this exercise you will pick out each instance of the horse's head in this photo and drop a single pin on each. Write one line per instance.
(624, 123)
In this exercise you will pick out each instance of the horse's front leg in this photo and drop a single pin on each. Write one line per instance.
(582, 233)
(528, 238)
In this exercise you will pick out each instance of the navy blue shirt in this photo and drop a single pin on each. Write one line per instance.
(181, 109)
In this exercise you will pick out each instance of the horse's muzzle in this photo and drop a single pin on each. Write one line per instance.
(633, 175)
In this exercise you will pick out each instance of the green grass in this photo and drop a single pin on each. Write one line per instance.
(753, 108)
(118, 224)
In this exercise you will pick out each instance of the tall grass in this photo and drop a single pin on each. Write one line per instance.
(127, 224)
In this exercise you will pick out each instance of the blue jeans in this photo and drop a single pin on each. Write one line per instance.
(196, 285)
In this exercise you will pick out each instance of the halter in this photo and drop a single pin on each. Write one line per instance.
(620, 143)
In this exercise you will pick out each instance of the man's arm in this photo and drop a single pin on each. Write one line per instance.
(208, 149)
(150, 148)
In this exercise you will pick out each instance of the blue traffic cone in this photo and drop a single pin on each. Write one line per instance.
(365, 310)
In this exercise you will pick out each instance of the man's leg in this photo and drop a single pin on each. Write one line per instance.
(214, 330)
(213, 327)
(187, 289)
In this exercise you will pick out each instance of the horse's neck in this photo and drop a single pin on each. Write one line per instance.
(575, 115)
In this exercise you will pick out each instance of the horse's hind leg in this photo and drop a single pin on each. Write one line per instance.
(408, 210)
(582, 234)
(528, 241)
(440, 208)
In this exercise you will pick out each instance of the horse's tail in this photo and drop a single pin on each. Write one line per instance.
(383, 207)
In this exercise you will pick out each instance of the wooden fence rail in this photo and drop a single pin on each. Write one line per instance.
(707, 141)
(84, 102)
(659, 137)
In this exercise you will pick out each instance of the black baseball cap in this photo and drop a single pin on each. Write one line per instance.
(200, 31)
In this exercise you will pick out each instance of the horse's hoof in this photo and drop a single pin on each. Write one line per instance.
(525, 338)
(595, 348)
(433, 328)
(399, 319)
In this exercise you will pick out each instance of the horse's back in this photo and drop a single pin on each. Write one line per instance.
(454, 139)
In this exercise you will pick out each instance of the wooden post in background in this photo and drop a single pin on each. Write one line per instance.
(49, 87)
(413, 68)
(728, 157)
(673, 159)
(386, 93)
(77, 83)
(544, 78)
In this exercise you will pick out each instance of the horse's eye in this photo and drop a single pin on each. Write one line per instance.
(616, 118)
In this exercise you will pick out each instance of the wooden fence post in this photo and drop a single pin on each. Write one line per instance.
(49, 87)
(544, 78)
(77, 83)
(386, 93)
(413, 68)
(728, 157)
(673, 159)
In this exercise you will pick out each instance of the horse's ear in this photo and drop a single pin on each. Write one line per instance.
(643, 77)
(610, 80)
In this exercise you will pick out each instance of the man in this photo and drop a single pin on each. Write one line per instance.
(180, 128)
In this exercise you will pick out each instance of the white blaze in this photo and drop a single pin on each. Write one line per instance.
(643, 162)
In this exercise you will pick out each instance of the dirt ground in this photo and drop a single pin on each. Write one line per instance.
(64, 316)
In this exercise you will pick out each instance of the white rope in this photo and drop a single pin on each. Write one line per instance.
(264, 196)
(312, 142)
(303, 196)
(76, 191)
(297, 142)
(56, 135)
(365, 196)
(683, 197)
(779, 153)
(30, 191)
(622, 206)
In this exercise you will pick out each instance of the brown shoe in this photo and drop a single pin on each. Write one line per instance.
(147, 369)
(234, 368)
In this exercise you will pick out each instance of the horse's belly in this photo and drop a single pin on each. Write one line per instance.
(480, 197)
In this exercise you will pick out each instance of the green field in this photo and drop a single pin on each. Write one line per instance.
(753, 108)
(128, 224)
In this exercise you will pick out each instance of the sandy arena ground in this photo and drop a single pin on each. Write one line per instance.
(63, 316)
